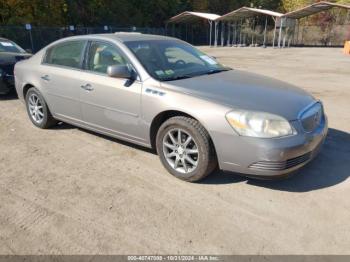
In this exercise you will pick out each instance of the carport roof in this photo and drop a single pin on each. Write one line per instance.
(313, 9)
(187, 17)
(246, 12)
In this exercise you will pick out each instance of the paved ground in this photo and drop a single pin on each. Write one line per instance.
(68, 191)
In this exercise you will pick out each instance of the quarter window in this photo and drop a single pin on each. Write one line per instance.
(67, 54)
(103, 55)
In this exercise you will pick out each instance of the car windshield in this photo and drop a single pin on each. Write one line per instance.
(9, 46)
(167, 60)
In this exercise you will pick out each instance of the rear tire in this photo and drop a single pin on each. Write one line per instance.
(38, 110)
(185, 149)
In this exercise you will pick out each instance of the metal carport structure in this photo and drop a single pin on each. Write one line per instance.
(307, 11)
(248, 12)
(280, 20)
(192, 17)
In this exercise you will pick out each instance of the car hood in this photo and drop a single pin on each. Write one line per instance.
(243, 90)
(11, 58)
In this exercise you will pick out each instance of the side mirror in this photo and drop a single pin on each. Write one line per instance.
(119, 71)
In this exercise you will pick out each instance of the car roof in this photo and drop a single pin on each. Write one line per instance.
(123, 37)
(126, 37)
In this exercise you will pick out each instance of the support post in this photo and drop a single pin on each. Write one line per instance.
(274, 33)
(265, 30)
(252, 40)
(293, 36)
(235, 35)
(285, 36)
(253, 32)
(216, 34)
(228, 33)
(222, 33)
(210, 31)
(240, 33)
(280, 33)
(298, 26)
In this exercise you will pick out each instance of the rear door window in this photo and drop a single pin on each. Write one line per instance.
(69, 54)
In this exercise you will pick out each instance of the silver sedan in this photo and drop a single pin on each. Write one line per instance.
(163, 93)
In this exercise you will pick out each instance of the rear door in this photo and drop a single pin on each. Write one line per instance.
(109, 104)
(61, 77)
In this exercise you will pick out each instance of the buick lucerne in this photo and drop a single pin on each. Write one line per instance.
(162, 93)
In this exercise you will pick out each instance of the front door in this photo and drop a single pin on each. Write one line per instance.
(111, 105)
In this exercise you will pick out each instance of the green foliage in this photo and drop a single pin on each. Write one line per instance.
(124, 12)
(49, 12)
(90, 12)
(290, 5)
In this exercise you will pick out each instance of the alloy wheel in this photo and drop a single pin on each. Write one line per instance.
(36, 109)
(180, 150)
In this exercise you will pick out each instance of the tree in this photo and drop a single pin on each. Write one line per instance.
(125, 12)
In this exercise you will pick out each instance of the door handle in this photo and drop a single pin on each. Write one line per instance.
(45, 77)
(87, 87)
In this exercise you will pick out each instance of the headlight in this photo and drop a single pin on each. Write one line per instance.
(259, 124)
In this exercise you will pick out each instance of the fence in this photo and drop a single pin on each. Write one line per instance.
(38, 37)
(197, 34)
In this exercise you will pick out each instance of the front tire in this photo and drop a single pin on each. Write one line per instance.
(185, 149)
(37, 109)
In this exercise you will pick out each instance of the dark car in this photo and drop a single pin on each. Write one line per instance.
(10, 54)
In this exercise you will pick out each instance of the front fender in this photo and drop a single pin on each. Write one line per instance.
(209, 114)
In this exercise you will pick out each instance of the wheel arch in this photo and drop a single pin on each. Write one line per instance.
(25, 89)
(159, 119)
(28, 86)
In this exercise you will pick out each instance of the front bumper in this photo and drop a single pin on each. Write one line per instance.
(271, 157)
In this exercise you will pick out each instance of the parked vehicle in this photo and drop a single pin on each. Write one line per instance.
(10, 53)
(163, 93)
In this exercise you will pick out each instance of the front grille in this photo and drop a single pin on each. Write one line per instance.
(297, 160)
(281, 165)
(312, 117)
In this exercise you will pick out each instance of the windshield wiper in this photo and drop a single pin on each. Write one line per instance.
(215, 71)
(177, 78)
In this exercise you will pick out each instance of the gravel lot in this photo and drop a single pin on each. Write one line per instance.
(69, 191)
